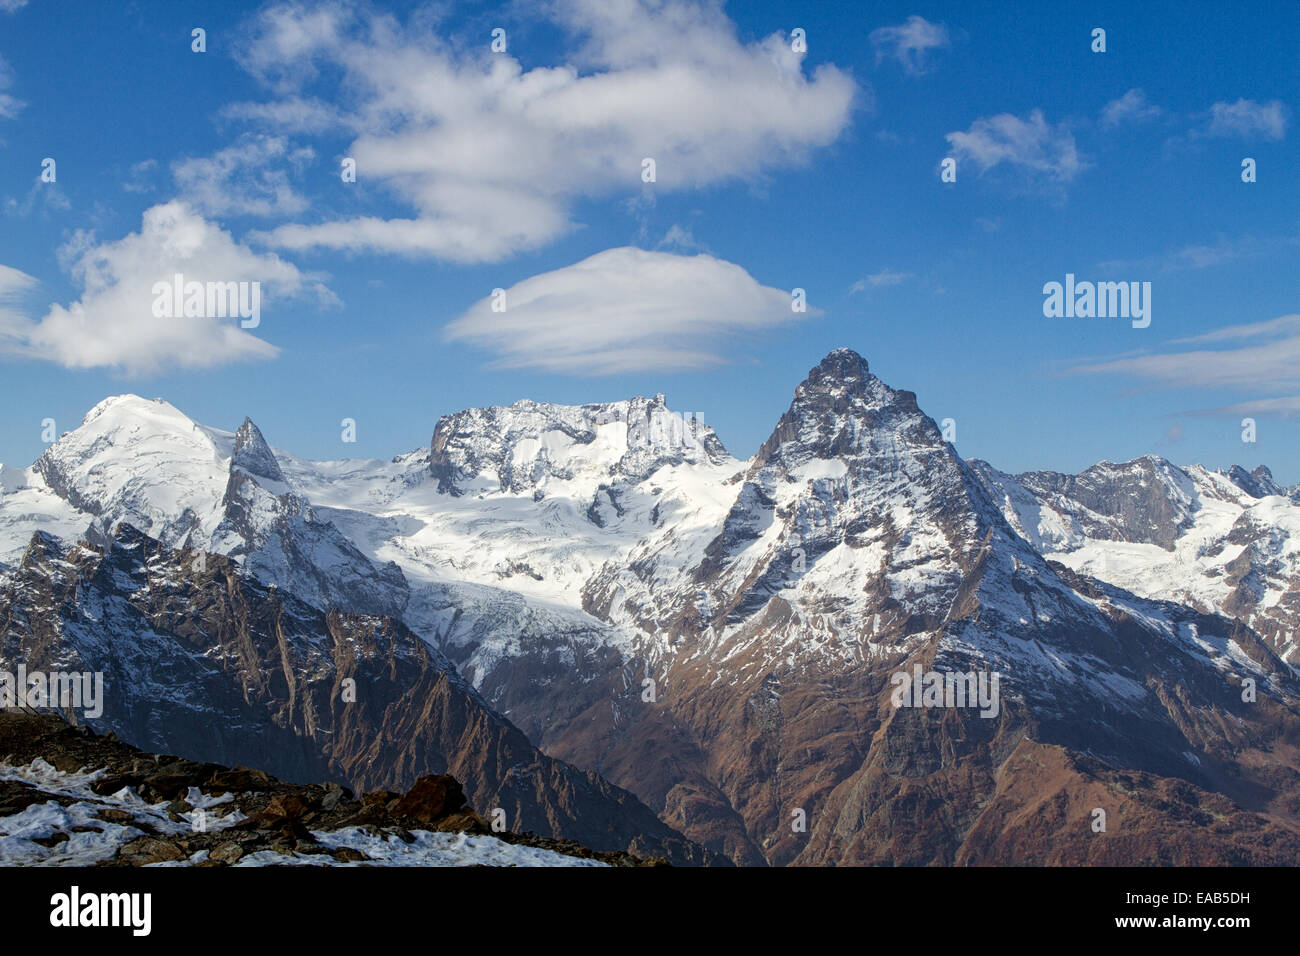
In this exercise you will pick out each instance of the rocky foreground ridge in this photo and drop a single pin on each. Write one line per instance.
(71, 796)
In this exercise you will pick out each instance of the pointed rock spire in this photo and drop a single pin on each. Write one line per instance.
(253, 455)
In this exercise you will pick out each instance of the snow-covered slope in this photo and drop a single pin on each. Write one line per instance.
(69, 824)
(1220, 541)
(146, 464)
(484, 540)
(500, 527)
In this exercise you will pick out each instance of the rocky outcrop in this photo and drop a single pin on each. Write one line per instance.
(226, 814)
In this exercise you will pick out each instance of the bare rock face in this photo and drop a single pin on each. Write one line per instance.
(210, 663)
(1258, 483)
(252, 455)
(1146, 501)
(277, 536)
(1042, 805)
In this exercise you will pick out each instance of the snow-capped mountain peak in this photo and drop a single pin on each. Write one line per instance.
(842, 411)
(527, 445)
(135, 460)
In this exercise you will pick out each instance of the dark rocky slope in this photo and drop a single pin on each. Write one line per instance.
(199, 659)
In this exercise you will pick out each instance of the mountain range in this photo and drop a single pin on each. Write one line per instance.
(607, 626)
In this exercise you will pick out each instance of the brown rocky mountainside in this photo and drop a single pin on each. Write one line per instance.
(247, 815)
(201, 660)
(860, 546)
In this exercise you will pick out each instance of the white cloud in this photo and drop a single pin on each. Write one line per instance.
(682, 239)
(490, 158)
(1287, 406)
(243, 179)
(1271, 364)
(9, 106)
(13, 282)
(910, 43)
(138, 181)
(10, 6)
(882, 279)
(1132, 107)
(291, 115)
(624, 310)
(113, 325)
(1033, 145)
(14, 286)
(1204, 255)
(1273, 327)
(1248, 119)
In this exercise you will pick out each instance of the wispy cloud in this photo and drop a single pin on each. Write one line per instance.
(1032, 146)
(1247, 119)
(1205, 255)
(1279, 327)
(1286, 407)
(1267, 358)
(910, 43)
(1132, 107)
(9, 105)
(292, 114)
(626, 310)
(14, 286)
(140, 173)
(40, 196)
(882, 279)
(247, 178)
(680, 238)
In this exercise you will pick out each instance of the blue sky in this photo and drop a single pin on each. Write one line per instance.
(479, 170)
